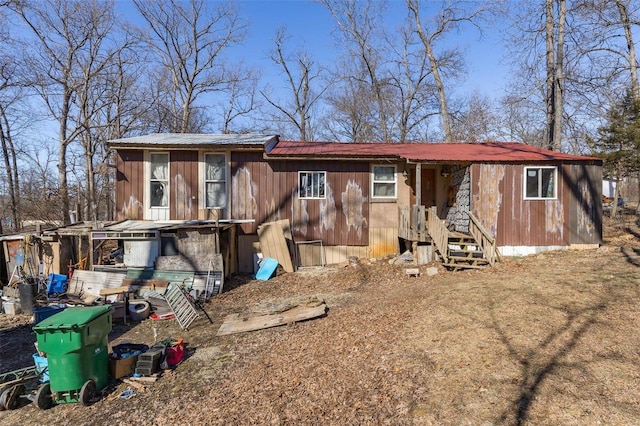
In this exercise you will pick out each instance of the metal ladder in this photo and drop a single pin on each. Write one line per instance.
(184, 310)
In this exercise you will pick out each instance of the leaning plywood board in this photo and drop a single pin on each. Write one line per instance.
(235, 323)
(273, 243)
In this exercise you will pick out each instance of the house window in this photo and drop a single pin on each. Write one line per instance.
(159, 182)
(311, 184)
(215, 181)
(384, 182)
(540, 182)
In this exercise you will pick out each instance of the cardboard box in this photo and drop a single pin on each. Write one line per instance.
(122, 367)
(118, 311)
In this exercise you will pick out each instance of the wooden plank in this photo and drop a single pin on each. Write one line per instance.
(273, 244)
(115, 290)
(235, 323)
(157, 275)
(139, 386)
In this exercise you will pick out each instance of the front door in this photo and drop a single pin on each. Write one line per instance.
(427, 190)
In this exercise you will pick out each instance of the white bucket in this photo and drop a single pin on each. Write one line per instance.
(11, 307)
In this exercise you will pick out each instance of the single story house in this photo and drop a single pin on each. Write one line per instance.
(364, 199)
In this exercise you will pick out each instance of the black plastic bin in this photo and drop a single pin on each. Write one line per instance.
(28, 293)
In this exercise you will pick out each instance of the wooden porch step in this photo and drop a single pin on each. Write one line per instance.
(457, 257)
(456, 266)
(459, 236)
(466, 250)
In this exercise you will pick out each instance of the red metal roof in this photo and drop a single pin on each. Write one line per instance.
(435, 152)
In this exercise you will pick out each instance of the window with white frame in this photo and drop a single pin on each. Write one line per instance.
(215, 181)
(540, 182)
(311, 185)
(159, 180)
(384, 184)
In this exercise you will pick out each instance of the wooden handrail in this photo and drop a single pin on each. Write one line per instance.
(484, 239)
(439, 233)
(412, 223)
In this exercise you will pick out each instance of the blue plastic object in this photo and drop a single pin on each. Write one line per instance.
(41, 367)
(46, 311)
(267, 269)
(56, 284)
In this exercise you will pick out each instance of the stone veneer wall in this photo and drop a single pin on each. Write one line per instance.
(457, 214)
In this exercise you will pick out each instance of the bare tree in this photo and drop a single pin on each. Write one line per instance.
(521, 120)
(9, 154)
(102, 75)
(541, 66)
(413, 96)
(301, 73)
(58, 50)
(40, 195)
(242, 98)
(189, 40)
(10, 96)
(626, 23)
(450, 17)
(351, 112)
(391, 67)
(476, 122)
(361, 28)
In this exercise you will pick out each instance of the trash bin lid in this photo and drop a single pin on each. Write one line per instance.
(72, 317)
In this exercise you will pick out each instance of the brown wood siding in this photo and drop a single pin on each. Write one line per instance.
(129, 185)
(267, 191)
(183, 170)
(498, 201)
(584, 189)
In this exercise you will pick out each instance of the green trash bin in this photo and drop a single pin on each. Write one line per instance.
(76, 344)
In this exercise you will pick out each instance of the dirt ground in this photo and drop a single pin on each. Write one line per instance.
(546, 339)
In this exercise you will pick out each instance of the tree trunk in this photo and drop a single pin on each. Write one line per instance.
(8, 154)
(633, 67)
(444, 109)
(62, 158)
(90, 192)
(435, 70)
(186, 116)
(550, 57)
(554, 38)
(558, 87)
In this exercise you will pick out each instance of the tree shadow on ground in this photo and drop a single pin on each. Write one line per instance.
(537, 363)
(17, 345)
(532, 373)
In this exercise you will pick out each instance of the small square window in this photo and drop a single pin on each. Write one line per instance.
(540, 182)
(311, 185)
(384, 184)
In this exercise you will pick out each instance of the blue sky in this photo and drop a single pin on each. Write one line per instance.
(310, 25)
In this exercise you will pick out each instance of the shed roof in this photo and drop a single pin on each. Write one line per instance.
(426, 152)
(131, 225)
(188, 140)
